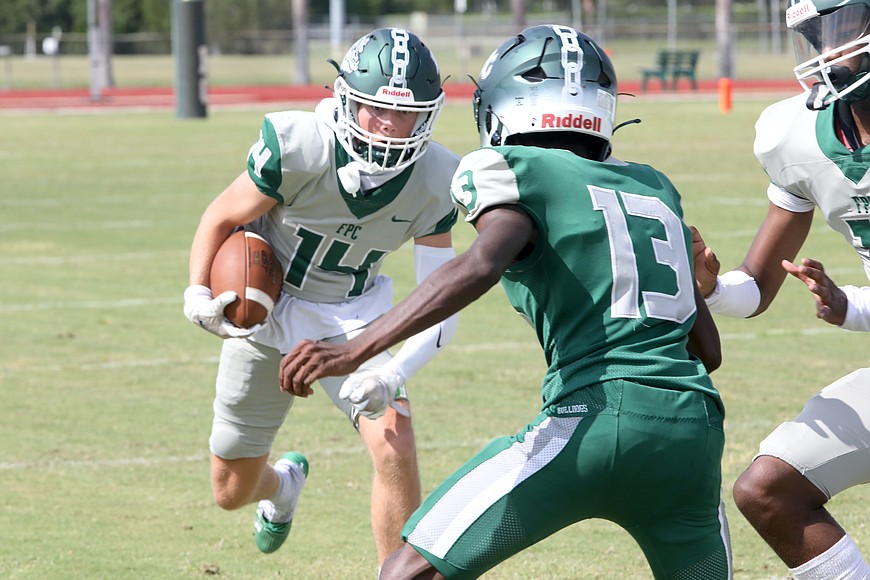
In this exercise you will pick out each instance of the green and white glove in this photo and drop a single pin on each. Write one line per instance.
(372, 392)
(207, 312)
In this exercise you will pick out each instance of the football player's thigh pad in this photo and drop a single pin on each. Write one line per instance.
(829, 442)
(249, 406)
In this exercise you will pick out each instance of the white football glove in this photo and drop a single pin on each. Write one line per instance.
(371, 392)
(203, 310)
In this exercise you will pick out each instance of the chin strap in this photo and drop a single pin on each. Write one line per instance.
(816, 99)
(819, 95)
(349, 177)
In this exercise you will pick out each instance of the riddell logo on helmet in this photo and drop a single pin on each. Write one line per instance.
(395, 92)
(571, 121)
(800, 11)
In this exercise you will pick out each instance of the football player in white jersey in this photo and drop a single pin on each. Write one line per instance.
(814, 149)
(592, 251)
(333, 191)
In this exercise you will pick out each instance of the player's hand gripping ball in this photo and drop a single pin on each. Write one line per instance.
(246, 265)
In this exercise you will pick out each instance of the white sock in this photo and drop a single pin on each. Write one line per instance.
(280, 507)
(842, 561)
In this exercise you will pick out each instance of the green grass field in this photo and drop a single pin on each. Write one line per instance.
(106, 389)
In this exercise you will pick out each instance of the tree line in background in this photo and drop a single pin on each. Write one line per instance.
(135, 16)
(130, 16)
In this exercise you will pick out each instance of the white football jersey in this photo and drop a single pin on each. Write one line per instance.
(809, 167)
(331, 243)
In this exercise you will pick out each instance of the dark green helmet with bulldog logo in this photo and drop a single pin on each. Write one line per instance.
(388, 68)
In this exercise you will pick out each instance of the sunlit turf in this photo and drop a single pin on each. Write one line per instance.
(105, 388)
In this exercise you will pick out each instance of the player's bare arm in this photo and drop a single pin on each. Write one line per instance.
(237, 205)
(779, 238)
(705, 263)
(240, 203)
(444, 240)
(750, 288)
(831, 301)
(704, 336)
(503, 232)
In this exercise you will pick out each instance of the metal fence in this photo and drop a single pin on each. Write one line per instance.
(436, 30)
(462, 44)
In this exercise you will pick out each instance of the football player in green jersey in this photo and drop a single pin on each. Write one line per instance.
(333, 191)
(813, 147)
(594, 253)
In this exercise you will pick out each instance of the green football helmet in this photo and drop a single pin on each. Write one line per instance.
(547, 78)
(832, 49)
(389, 68)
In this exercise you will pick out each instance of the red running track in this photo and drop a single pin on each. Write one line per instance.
(164, 97)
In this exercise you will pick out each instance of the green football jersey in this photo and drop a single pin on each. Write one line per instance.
(609, 286)
(331, 243)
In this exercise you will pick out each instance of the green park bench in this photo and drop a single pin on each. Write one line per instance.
(672, 64)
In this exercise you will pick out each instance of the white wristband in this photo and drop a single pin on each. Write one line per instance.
(858, 310)
(736, 294)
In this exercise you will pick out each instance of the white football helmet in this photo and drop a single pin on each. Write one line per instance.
(389, 68)
(547, 78)
(832, 49)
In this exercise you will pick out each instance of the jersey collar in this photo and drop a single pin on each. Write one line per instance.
(372, 200)
(853, 164)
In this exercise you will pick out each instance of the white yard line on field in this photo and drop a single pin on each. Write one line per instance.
(120, 462)
(31, 260)
(88, 304)
(126, 364)
(76, 227)
(476, 347)
(40, 366)
(202, 458)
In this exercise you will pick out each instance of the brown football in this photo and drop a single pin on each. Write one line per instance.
(246, 265)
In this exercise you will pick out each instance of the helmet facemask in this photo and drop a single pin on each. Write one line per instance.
(378, 153)
(832, 48)
(390, 69)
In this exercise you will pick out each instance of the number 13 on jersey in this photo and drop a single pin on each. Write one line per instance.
(671, 252)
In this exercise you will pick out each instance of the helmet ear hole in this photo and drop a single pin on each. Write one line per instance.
(604, 80)
(534, 75)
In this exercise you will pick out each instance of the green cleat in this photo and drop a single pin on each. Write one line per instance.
(268, 535)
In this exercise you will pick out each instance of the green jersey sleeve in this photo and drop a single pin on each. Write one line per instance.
(264, 162)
